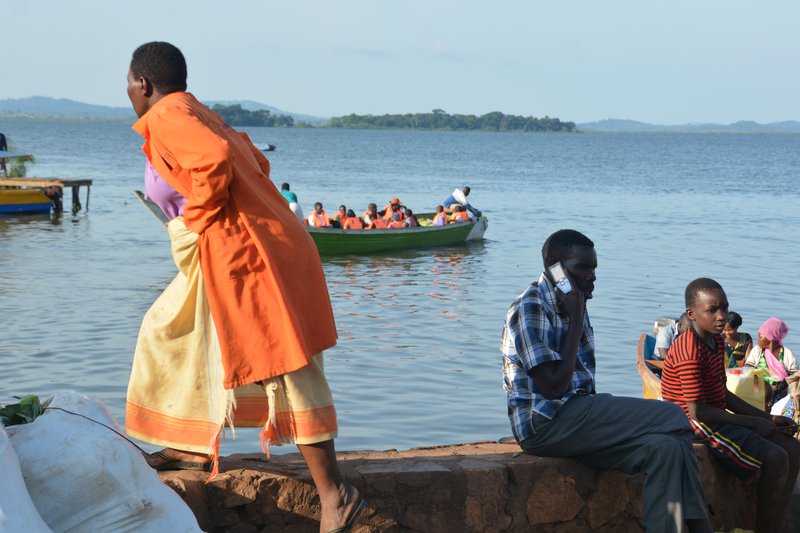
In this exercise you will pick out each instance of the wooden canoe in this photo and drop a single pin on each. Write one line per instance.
(651, 383)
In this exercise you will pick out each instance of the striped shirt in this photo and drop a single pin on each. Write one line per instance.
(534, 333)
(694, 373)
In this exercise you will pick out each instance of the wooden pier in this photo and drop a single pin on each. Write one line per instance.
(75, 185)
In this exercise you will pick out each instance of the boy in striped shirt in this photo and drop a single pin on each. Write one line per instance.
(744, 438)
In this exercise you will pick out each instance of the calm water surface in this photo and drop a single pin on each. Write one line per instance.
(417, 361)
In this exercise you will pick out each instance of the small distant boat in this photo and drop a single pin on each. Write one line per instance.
(334, 241)
(265, 147)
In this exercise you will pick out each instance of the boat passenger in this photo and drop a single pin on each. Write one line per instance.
(395, 222)
(318, 217)
(377, 223)
(291, 197)
(459, 215)
(440, 218)
(411, 220)
(554, 407)
(341, 214)
(778, 361)
(745, 439)
(351, 221)
(666, 336)
(394, 207)
(370, 214)
(737, 345)
(459, 197)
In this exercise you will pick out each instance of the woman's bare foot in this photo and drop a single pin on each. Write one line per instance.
(340, 510)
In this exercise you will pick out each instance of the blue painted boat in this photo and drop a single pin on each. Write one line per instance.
(19, 201)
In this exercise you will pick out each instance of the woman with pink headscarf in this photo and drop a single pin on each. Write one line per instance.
(771, 355)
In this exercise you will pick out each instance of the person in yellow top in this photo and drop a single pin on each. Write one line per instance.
(255, 272)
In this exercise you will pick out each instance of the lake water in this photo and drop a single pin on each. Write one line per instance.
(418, 356)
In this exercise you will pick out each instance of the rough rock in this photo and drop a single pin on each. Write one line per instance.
(469, 487)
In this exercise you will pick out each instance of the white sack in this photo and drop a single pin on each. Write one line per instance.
(17, 512)
(84, 477)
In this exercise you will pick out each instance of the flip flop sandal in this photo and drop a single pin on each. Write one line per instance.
(171, 463)
(351, 520)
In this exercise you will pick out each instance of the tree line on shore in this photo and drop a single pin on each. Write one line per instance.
(440, 120)
(236, 115)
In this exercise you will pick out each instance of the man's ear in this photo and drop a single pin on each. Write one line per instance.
(550, 262)
(690, 313)
(147, 87)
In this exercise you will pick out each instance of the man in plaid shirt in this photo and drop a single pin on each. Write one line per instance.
(555, 411)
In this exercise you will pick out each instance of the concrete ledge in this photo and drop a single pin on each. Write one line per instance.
(469, 487)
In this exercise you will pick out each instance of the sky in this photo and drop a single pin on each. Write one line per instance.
(661, 62)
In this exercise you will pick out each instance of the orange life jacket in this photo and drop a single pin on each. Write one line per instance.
(352, 223)
(377, 223)
(438, 216)
(370, 215)
(387, 214)
(460, 216)
(320, 219)
(395, 224)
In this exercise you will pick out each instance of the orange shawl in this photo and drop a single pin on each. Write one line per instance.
(265, 284)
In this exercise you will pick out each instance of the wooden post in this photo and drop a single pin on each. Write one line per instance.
(88, 190)
(76, 201)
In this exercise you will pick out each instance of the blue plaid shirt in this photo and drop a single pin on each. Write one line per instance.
(534, 333)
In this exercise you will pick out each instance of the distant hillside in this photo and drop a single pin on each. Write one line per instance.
(743, 126)
(43, 106)
(61, 107)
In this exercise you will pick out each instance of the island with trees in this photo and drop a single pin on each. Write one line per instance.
(236, 115)
(438, 119)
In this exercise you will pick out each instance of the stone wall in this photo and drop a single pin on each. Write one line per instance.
(469, 487)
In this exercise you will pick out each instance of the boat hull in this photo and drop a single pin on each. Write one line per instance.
(332, 241)
(651, 384)
(18, 201)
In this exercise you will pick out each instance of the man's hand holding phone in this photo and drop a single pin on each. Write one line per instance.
(570, 299)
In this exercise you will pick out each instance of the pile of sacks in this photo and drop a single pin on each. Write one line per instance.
(70, 471)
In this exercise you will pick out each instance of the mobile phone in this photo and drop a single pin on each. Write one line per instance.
(559, 275)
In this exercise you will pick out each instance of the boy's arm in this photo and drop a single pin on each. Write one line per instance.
(759, 422)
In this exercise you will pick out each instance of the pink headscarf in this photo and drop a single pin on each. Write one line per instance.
(774, 329)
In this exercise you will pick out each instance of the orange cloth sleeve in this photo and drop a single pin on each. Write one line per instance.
(193, 146)
(263, 162)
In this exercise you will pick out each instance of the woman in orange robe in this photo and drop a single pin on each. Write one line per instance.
(261, 269)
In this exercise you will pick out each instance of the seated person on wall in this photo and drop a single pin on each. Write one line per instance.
(737, 345)
(395, 208)
(770, 354)
(291, 197)
(743, 437)
(459, 197)
(440, 218)
(351, 221)
(459, 215)
(666, 336)
(549, 377)
(318, 217)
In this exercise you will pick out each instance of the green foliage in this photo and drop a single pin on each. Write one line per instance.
(16, 166)
(23, 412)
(439, 120)
(235, 115)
